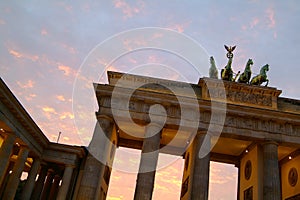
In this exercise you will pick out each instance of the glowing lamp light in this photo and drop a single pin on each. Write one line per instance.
(290, 157)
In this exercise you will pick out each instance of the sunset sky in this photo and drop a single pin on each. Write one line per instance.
(44, 45)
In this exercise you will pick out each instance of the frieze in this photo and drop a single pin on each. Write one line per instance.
(256, 124)
(114, 77)
(240, 96)
(235, 121)
(238, 93)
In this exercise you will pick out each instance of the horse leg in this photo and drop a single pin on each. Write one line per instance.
(267, 82)
(234, 79)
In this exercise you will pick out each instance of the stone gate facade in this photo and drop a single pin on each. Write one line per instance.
(251, 127)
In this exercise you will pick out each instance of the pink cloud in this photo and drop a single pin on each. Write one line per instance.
(153, 59)
(271, 17)
(179, 27)
(66, 69)
(131, 60)
(128, 10)
(254, 22)
(48, 109)
(60, 98)
(67, 8)
(130, 44)
(70, 49)
(18, 54)
(30, 97)
(157, 35)
(2, 22)
(44, 32)
(28, 84)
(66, 138)
(65, 115)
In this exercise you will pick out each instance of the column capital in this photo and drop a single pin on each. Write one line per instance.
(50, 171)
(270, 142)
(70, 166)
(153, 129)
(106, 117)
(105, 122)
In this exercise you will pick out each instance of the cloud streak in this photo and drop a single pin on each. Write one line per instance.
(68, 71)
(18, 54)
(127, 9)
(271, 17)
(28, 84)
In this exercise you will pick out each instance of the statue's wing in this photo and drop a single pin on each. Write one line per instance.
(233, 48)
(226, 47)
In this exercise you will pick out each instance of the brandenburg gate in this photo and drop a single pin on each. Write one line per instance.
(249, 126)
(259, 134)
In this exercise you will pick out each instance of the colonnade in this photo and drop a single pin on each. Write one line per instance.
(195, 182)
(51, 183)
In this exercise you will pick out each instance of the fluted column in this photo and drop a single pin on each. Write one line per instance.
(28, 187)
(47, 184)
(39, 184)
(54, 187)
(64, 188)
(200, 168)
(271, 174)
(150, 151)
(14, 178)
(5, 152)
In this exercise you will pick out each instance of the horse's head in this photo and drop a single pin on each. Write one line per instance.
(250, 62)
(266, 67)
(212, 60)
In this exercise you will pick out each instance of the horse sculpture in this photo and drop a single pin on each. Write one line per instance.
(227, 73)
(213, 71)
(261, 77)
(246, 75)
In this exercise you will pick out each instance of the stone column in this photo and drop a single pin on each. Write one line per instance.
(271, 174)
(199, 177)
(47, 184)
(54, 187)
(28, 187)
(5, 152)
(90, 185)
(64, 188)
(39, 184)
(148, 163)
(14, 178)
